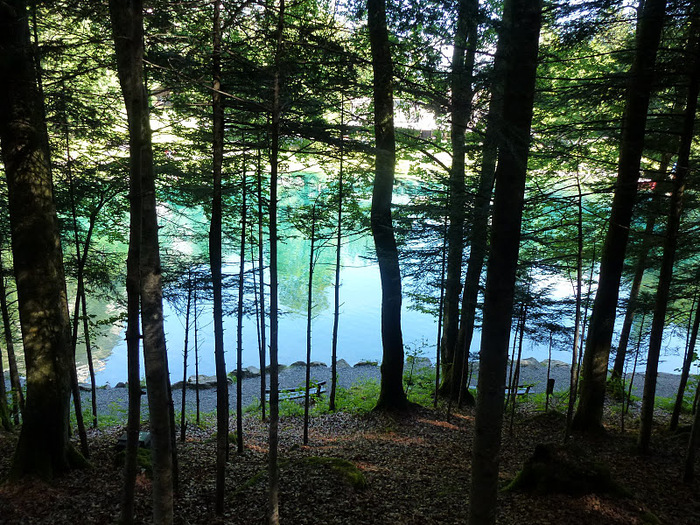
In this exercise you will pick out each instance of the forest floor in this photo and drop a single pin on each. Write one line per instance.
(414, 469)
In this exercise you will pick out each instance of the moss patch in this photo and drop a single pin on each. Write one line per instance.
(347, 470)
(143, 460)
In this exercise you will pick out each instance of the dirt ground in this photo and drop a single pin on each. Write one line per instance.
(416, 470)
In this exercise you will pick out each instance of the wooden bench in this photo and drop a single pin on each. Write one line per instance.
(315, 390)
(520, 390)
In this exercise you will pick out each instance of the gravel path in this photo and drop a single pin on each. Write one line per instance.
(114, 400)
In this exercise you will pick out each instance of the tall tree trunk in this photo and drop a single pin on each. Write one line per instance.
(17, 394)
(391, 395)
(4, 412)
(441, 304)
(671, 238)
(597, 354)
(196, 357)
(127, 28)
(183, 406)
(239, 328)
(309, 311)
(77, 402)
(639, 268)
(215, 262)
(685, 373)
(693, 444)
(463, 54)
(573, 378)
(481, 211)
(44, 448)
(338, 242)
(261, 274)
(275, 115)
(88, 354)
(518, 46)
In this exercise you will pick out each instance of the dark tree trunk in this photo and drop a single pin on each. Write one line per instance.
(17, 394)
(275, 115)
(391, 395)
(685, 373)
(77, 402)
(127, 28)
(639, 268)
(4, 412)
(693, 443)
(671, 238)
(215, 262)
(239, 328)
(261, 274)
(336, 286)
(518, 47)
(575, 350)
(480, 213)
(183, 406)
(309, 312)
(44, 449)
(597, 353)
(463, 54)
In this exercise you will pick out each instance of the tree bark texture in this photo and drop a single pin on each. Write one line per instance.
(44, 448)
(639, 268)
(275, 117)
(464, 51)
(239, 327)
(391, 395)
(671, 238)
(597, 353)
(222, 407)
(481, 211)
(127, 28)
(519, 48)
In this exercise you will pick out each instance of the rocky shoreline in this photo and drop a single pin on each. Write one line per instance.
(532, 372)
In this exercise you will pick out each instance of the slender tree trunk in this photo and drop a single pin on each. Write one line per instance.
(441, 305)
(77, 402)
(239, 328)
(573, 379)
(275, 116)
(17, 394)
(516, 376)
(693, 444)
(626, 399)
(685, 373)
(127, 28)
(88, 354)
(338, 243)
(391, 395)
(481, 212)
(196, 356)
(671, 238)
(548, 392)
(261, 274)
(309, 311)
(597, 354)
(44, 448)
(78, 408)
(4, 412)
(518, 45)
(183, 406)
(639, 268)
(464, 51)
(215, 262)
